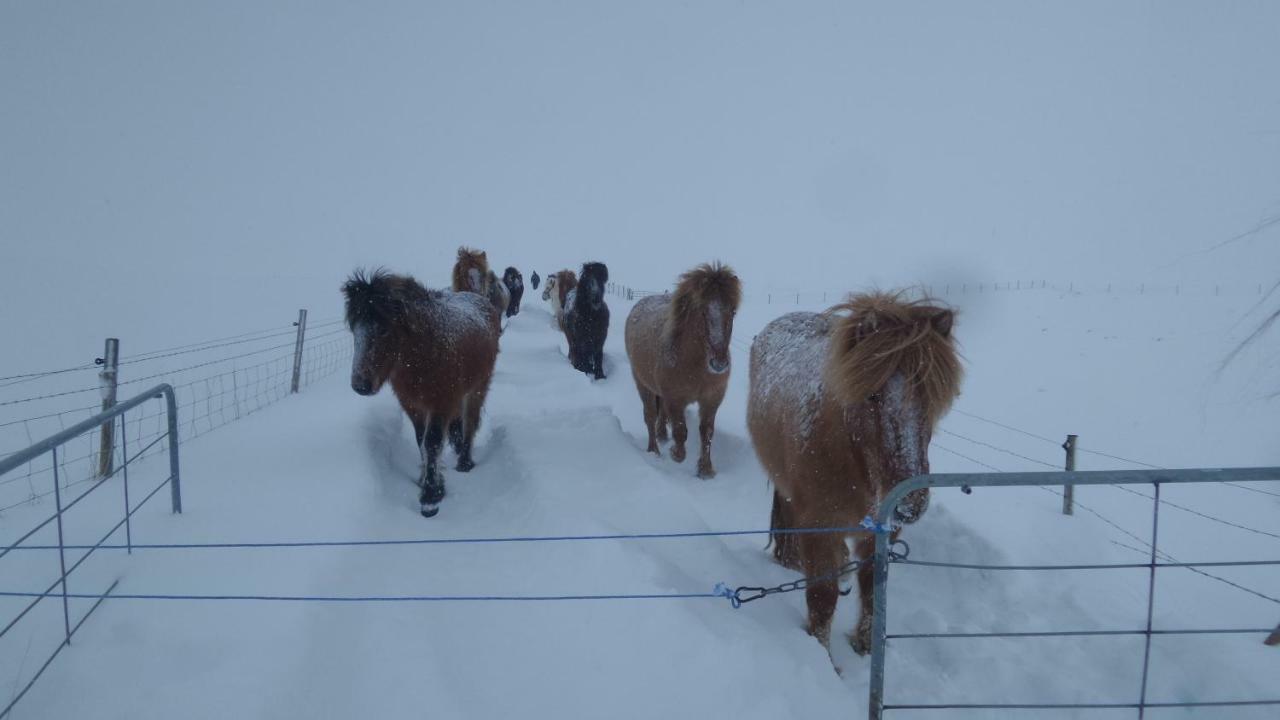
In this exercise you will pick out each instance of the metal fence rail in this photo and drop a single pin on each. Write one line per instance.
(50, 446)
(1156, 478)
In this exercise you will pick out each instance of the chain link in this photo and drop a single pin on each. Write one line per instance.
(746, 594)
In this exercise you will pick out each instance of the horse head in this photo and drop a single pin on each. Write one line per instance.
(379, 314)
(707, 297)
(894, 368)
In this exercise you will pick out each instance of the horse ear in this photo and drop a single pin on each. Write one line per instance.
(942, 322)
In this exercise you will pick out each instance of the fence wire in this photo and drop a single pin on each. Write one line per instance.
(227, 390)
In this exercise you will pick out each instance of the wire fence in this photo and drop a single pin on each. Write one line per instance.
(246, 373)
(255, 371)
(819, 297)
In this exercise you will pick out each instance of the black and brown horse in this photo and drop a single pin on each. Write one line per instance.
(586, 320)
(514, 283)
(437, 349)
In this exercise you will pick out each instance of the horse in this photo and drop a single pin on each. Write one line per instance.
(437, 348)
(535, 279)
(842, 407)
(556, 292)
(514, 283)
(678, 346)
(499, 297)
(586, 320)
(471, 271)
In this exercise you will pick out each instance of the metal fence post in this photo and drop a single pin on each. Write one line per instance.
(175, 483)
(62, 552)
(124, 470)
(297, 350)
(110, 362)
(1069, 491)
(879, 627)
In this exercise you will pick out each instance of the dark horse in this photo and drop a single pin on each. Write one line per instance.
(437, 349)
(514, 281)
(534, 279)
(842, 408)
(679, 351)
(586, 320)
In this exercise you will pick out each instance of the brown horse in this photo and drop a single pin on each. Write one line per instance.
(499, 296)
(437, 349)
(471, 271)
(679, 351)
(557, 292)
(842, 408)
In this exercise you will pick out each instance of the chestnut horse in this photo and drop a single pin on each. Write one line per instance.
(678, 346)
(437, 349)
(842, 408)
(499, 296)
(471, 271)
(585, 320)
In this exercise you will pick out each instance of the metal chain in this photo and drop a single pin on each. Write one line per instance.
(746, 594)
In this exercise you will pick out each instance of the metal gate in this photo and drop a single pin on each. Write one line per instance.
(105, 419)
(1156, 478)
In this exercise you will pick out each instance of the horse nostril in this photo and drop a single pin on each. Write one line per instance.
(718, 366)
(362, 387)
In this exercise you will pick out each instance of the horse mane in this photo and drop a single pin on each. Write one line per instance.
(510, 274)
(380, 296)
(700, 287)
(597, 271)
(884, 333)
(469, 258)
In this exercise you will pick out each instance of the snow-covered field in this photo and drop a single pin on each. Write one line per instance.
(172, 173)
(562, 455)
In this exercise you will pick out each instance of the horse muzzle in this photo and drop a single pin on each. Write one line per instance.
(363, 386)
(717, 366)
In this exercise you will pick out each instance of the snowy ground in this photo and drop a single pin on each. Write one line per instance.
(1133, 375)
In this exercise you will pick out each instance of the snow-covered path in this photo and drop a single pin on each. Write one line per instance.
(559, 454)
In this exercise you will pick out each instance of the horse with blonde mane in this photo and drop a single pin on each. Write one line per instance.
(842, 408)
(678, 345)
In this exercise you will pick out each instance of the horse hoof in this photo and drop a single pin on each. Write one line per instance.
(430, 510)
(706, 473)
(677, 454)
(431, 495)
(860, 639)
(465, 465)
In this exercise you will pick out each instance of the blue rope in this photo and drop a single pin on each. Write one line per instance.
(383, 598)
(867, 525)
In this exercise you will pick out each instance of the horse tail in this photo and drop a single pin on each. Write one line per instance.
(784, 544)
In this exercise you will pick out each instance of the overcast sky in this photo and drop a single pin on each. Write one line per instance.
(210, 162)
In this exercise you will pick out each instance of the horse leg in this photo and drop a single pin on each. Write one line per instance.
(785, 548)
(679, 430)
(662, 433)
(820, 553)
(706, 429)
(457, 436)
(471, 424)
(860, 638)
(419, 432)
(597, 360)
(432, 479)
(650, 402)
